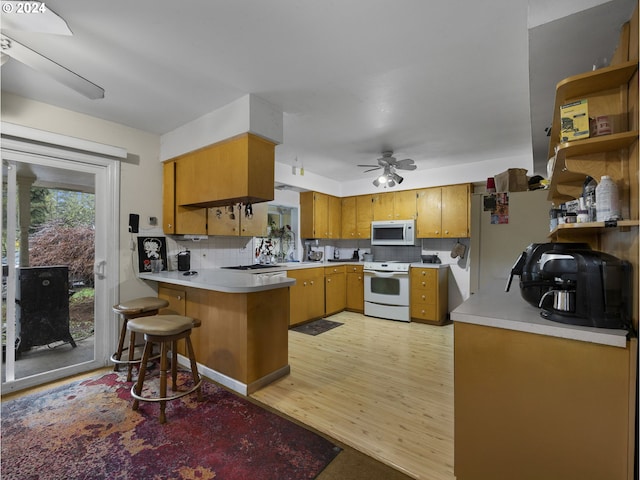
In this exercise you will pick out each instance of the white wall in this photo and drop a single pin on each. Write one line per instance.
(141, 172)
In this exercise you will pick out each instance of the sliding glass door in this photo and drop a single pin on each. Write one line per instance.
(57, 247)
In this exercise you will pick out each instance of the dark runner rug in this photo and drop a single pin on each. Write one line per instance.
(317, 326)
(87, 430)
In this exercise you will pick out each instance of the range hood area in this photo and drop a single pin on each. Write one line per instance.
(237, 170)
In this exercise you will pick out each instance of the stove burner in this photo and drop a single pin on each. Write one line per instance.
(254, 266)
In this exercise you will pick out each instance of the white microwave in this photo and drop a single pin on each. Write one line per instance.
(393, 232)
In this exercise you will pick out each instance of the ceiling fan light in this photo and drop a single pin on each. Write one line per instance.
(382, 178)
(376, 183)
(391, 183)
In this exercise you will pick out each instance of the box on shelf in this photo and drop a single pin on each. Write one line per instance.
(512, 180)
(574, 121)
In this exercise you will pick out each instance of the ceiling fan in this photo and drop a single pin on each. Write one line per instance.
(36, 17)
(390, 164)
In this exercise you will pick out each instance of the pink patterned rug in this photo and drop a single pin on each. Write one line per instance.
(87, 430)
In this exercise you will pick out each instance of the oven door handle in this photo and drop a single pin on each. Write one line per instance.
(379, 273)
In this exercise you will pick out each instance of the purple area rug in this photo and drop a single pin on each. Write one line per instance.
(87, 430)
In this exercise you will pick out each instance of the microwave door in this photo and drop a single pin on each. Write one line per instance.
(388, 234)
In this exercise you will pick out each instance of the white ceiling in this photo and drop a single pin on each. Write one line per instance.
(443, 83)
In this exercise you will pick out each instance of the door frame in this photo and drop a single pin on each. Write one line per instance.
(66, 153)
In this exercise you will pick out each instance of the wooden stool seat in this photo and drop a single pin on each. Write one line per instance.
(165, 330)
(135, 308)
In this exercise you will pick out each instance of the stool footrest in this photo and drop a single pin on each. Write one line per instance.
(132, 361)
(161, 399)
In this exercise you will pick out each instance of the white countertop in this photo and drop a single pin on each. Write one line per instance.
(508, 310)
(223, 280)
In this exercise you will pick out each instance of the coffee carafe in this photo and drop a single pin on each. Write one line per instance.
(184, 261)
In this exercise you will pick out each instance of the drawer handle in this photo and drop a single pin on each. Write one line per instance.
(311, 282)
(179, 297)
(424, 284)
(304, 284)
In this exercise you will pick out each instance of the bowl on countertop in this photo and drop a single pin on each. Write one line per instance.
(315, 256)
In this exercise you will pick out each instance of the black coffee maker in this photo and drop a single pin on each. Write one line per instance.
(573, 284)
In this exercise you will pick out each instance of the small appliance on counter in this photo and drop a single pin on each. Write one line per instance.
(573, 284)
(184, 261)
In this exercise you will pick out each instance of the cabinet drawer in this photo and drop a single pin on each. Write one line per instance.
(426, 297)
(424, 312)
(354, 268)
(336, 269)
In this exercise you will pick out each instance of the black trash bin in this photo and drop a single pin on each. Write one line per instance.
(42, 306)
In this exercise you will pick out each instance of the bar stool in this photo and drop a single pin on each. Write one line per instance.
(138, 307)
(165, 330)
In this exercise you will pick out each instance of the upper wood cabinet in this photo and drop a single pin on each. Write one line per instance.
(394, 205)
(237, 170)
(238, 220)
(364, 210)
(178, 219)
(320, 215)
(443, 212)
(357, 213)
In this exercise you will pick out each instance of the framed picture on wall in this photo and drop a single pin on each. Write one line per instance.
(151, 248)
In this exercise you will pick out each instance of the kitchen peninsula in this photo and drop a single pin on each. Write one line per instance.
(243, 340)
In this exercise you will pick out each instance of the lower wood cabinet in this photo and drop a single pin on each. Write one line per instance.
(355, 288)
(335, 289)
(306, 298)
(429, 295)
(532, 407)
(242, 336)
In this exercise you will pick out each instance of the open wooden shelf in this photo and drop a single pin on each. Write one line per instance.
(591, 227)
(575, 160)
(583, 85)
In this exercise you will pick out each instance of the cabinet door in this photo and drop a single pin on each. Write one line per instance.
(355, 289)
(224, 220)
(314, 215)
(169, 197)
(364, 216)
(335, 289)
(334, 216)
(348, 228)
(455, 211)
(429, 224)
(306, 297)
(177, 299)
(256, 224)
(404, 205)
(178, 219)
(383, 206)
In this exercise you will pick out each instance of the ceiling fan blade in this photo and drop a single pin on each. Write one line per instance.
(372, 169)
(33, 17)
(406, 161)
(368, 166)
(406, 167)
(43, 64)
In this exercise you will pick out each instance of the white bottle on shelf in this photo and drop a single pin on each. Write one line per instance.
(607, 200)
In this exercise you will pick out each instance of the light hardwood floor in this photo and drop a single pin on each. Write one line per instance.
(382, 387)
